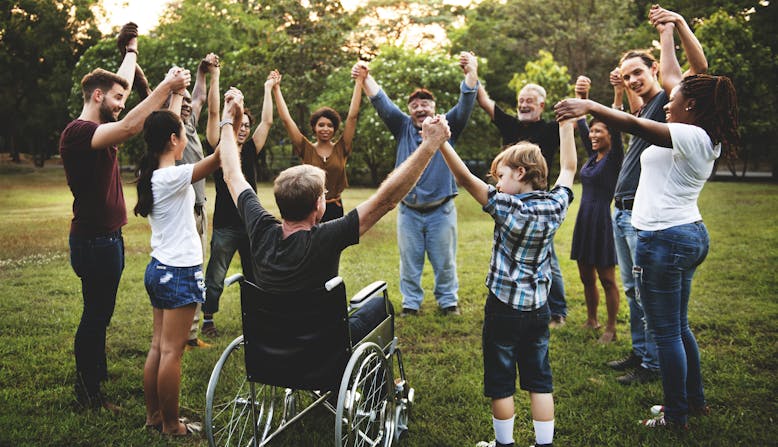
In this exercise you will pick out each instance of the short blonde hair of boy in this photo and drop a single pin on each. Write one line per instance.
(528, 156)
(297, 191)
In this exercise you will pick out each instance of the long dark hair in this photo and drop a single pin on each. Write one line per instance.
(156, 132)
(716, 108)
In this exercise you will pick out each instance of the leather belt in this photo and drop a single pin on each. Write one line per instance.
(426, 208)
(624, 203)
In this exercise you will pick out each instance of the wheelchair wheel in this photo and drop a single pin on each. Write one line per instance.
(365, 414)
(229, 405)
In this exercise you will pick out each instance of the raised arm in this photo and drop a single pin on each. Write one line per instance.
(469, 64)
(568, 163)
(228, 146)
(698, 64)
(485, 101)
(634, 101)
(400, 181)
(199, 90)
(212, 126)
(109, 134)
(651, 131)
(127, 41)
(350, 127)
(466, 179)
(283, 113)
(670, 73)
(263, 129)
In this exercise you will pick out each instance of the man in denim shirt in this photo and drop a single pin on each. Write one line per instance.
(427, 217)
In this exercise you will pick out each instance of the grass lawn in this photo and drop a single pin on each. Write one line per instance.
(733, 312)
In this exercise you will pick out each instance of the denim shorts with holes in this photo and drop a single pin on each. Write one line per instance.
(172, 287)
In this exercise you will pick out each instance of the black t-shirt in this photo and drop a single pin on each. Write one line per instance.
(543, 133)
(225, 214)
(306, 259)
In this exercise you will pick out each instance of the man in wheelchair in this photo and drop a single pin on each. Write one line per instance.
(301, 254)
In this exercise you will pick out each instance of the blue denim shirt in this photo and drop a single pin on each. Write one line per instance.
(436, 181)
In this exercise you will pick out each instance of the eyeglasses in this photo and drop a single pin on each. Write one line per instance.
(245, 126)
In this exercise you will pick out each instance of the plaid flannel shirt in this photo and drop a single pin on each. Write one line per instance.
(524, 224)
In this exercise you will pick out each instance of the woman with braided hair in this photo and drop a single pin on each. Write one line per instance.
(672, 239)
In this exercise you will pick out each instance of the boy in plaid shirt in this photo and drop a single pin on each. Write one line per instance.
(515, 329)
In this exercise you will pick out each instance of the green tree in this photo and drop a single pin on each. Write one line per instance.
(40, 40)
(732, 50)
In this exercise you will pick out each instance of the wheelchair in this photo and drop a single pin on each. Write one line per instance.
(295, 355)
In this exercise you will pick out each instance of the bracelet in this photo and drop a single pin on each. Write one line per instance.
(131, 50)
(223, 123)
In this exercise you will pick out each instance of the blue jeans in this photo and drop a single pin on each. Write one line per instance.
(665, 262)
(625, 238)
(224, 243)
(556, 295)
(433, 233)
(99, 262)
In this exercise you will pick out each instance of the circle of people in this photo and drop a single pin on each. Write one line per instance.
(679, 124)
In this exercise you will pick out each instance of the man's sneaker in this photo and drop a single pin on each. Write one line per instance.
(451, 310)
(209, 330)
(493, 444)
(196, 343)
(658, 410)
(557, 321)
(638, 375)
(408, 312)
(629, 362)
(661, 422)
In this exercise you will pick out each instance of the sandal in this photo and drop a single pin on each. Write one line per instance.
(192, 428)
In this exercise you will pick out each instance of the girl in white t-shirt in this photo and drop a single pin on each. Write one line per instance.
(174, 277)
(672, 240)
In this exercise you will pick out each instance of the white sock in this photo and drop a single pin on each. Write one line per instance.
(503, 430)
(544, 432)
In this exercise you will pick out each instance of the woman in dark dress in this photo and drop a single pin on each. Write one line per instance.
(593, 245)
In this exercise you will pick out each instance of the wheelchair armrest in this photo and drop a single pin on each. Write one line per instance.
(238, 277)
(368, 291)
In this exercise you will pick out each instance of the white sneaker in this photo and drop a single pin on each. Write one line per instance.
(491, 444)
(656, 410)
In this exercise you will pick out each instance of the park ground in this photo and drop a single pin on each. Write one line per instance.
(733, 312)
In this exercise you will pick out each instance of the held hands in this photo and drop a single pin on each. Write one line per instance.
(233, 107)
(663, 19)
(582, 85)
(359, 71)
(571, 109)
(273, 79)
(177, 79)
(616, 80)
(468, 62)
(128, 38)
(435, 130)
(209, 64)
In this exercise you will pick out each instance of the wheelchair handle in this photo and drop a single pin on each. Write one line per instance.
(238, 277)
(334, 282)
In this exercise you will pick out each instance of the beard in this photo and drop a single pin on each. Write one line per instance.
(106, 114)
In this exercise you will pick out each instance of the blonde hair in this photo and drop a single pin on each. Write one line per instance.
(297, 190)
(528, 156)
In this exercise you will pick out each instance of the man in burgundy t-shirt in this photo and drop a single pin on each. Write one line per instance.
(89, 146)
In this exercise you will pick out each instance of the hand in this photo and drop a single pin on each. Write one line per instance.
(128, 38)
(616, 80)
(435, 129)
(233, 107)
(468, 62)
(582, 85)
(658, 15)
(272, 79)
(177, 79)
(572, 108)
(359, 71)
